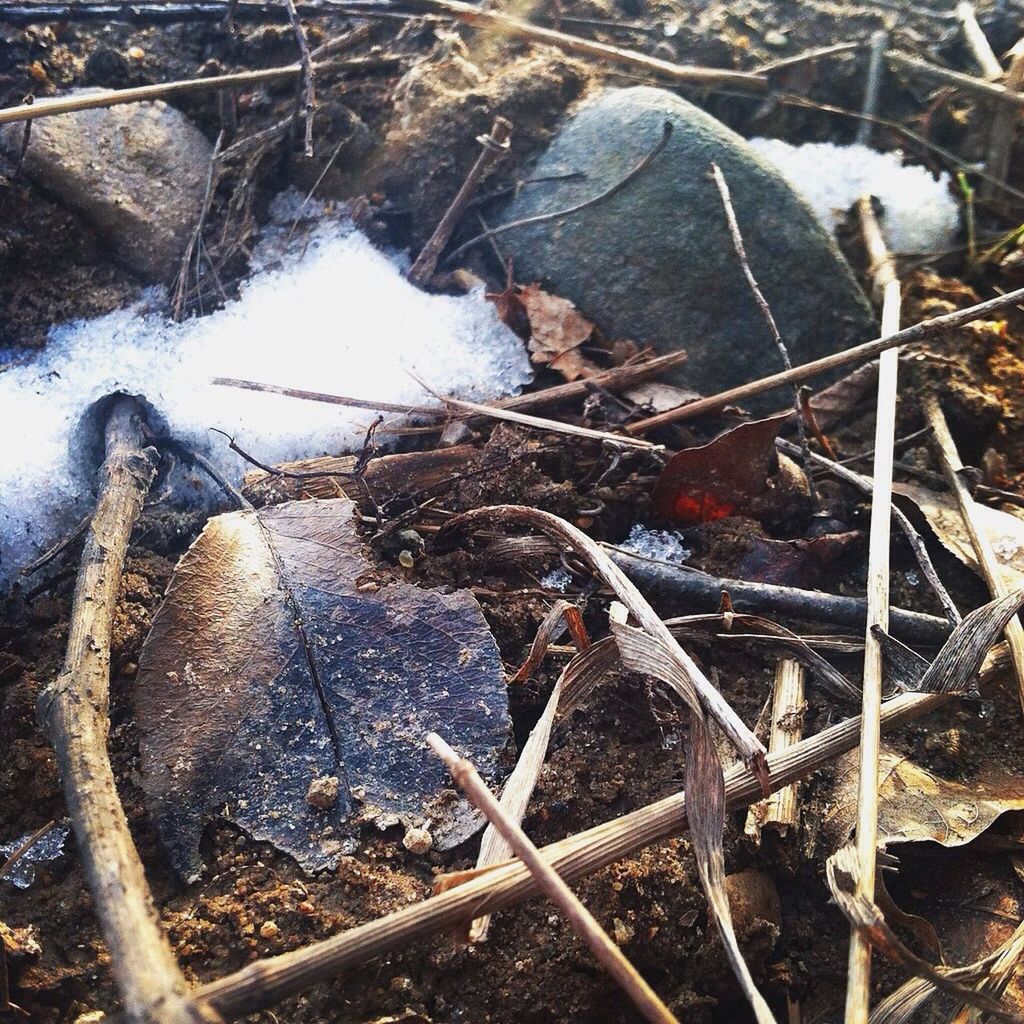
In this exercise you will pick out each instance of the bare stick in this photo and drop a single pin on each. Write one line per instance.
(495, 146)
(161, 90)
(557, 426)
(987, 561)
(873, 86)
(1003, 132)
(73, 710)
(868, 350)
(762, 305)
(981, 49)
(540, 218)
(967, 83)
(268, 981)
(782, 809)
(308, 75)
(858, 986)
(583, 923)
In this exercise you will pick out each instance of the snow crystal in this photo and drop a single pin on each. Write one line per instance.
(661, 545)
(920, 214)
(323, 310)
(48, 847)
(557, 579)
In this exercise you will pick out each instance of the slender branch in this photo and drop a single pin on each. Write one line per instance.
(308, 75)
(868, 350)
(981, 49)
(858, 990)
(966, 83)
(73, 711)
(550, 882)
(161, 90)
(989, 565)
(540, 218)
(495, 146)
(873, 85)
(268, 981)
(1003, 132)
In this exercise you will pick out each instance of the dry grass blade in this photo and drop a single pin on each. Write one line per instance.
(858, 991)
(843, 871)
(583, 922)
(987, 561)
(268, 981)
(705, 787)
(749, 747)
(580, 676)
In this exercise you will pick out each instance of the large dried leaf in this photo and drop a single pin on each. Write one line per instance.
(699, 485)
(1005, 531)
(916, 806)
(276, 660)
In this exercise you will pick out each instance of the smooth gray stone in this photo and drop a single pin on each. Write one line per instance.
(655, 263)
(137, 172)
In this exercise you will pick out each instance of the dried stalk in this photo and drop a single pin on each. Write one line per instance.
(495, 146)
(555, 426)
(73, 711)
(981, 49)
(781, 810)
(1003, 132)
(749, 747)
(873, 85)
(162, 90)
(858, 990)
(868, 350)
(267, 982)
(966, 83)
(583, 923)
(988, 563)
(308, 75)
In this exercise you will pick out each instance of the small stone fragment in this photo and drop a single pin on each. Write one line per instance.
(269, 930)
(323, 792)
(417, 840)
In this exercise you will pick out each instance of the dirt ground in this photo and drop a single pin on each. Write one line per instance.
(402, 136)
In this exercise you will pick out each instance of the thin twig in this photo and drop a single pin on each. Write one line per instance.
(858, 986)
(540, 218)
(873, 85)
(583, 923)
(16, 855)
(762, 305)
(495, 146)
(967, 83)
(987, 562)
(161, 90)
(308, 75)
(1003, 132)
(974, 37)
(62, 545)
(868, 350)
(73, 710)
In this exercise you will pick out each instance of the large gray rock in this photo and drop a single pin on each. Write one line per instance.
(137, 172)
(656, 263)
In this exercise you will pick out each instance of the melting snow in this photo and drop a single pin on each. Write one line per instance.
(920, 213)
(323, 311)
(661, 545)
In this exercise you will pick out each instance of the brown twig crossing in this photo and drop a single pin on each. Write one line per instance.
(73, 711)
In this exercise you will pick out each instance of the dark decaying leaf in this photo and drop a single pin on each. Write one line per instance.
(271, 664)
(699, 485)
(705, 799)
(843, 872)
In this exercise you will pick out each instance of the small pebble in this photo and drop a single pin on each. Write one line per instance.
(136, 52)
(323, 792)
(417, 840)
(775, 38)
(269, 930)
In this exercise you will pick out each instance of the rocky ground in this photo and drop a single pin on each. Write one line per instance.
(399, 132)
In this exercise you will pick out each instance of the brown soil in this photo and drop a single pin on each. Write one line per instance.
(405, 139)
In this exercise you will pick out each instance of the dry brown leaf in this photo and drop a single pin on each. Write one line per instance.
(557, 329)
(916, 806)
(1005, 531)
